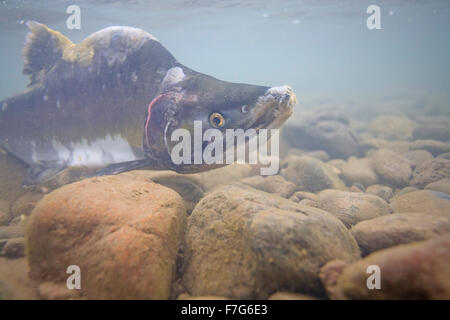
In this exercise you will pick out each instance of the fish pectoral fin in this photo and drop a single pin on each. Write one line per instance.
(43, 48)
(42, 171)
(120, 167)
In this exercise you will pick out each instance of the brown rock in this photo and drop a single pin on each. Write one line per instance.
(391, 127)
(384, 192)
(310, 174)
(434, 147)
(391, 167)
(14, 248)
(8, 232)
(243, 243)
(441, 186)
(352, 207)
(431, 171)
(426, 201)
(272, 184)
(54, 291)
(398, 228)
(359, 171)
(419, 270)
(122, 232)
(418, 157)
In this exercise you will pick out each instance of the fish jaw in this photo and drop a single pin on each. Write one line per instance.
(273, 108)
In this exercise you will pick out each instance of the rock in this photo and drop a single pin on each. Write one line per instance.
(419, 270)
(15, 283)
(4, 212)
(434, 147)
(352, 207)
(444, 156)
(418, 157)
(329, 275)
(212, 179)
(302, 195)
(123, 232)
(426, 201)
(432, 132)
(185, 296)
(8, 232)
(187, 186)
(431, 171)
(323, 131)
(441, 185)
(384, 192)
(359, 171)
(310, 174)
(398, 228)
(391, 127)
(12, 173)
(272, 184)
(391, 167)
(337, 164)
(243, 243)
(53, 291)
(405, 190)
(14, 248)
(318, 154)
(26, 203)
(290, 296)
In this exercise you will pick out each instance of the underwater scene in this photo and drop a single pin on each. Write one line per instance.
(224, 149)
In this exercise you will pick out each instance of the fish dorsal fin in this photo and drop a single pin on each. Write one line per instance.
(43, 48)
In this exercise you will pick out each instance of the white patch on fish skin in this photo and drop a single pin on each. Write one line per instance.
(58, 104)
(45, 97)
(111, 149)
(173, 76)
(5, 106)
(134, 76)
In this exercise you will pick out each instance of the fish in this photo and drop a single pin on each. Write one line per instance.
(111, 101)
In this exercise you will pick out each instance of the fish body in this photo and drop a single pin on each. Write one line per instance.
(113, 99)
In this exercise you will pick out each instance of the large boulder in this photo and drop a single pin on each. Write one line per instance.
(426, 201)
(384, 192)
(310, 174)
(431, 171)
(398, 228)
(326, 131)
(352, 207)
(419, 270)
(243, 243)
(392, 167)
(122, 232)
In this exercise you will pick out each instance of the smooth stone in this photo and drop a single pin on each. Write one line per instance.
(418, 157)
(431, 132)
(310, 174)
(384, 192)
(391, 127)
(431, 171)
(425, 201)
(419, 270)
(123, 232)
(14, 248)
(392, 168)
(440, 185)
(434, 147)
(398, 228)
(323, 130)
(359, 171)
(352, 207)
(243, 243)
(444, 156)
(272, 184)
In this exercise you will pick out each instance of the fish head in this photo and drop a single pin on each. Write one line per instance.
(199, 103)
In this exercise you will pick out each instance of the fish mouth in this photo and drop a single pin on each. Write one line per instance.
(273, 108)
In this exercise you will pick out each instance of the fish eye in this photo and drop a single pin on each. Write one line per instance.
(244, 109)
(217, 120)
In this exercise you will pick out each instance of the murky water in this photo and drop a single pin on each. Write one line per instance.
(321, 48)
